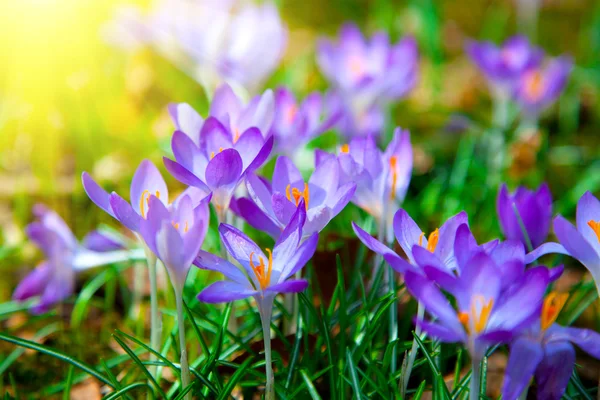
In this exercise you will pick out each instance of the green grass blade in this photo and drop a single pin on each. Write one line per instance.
(126, 389)
(310, 386)
(354, 376)
(225, 393)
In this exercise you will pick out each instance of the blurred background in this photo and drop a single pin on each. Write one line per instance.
(71, 99)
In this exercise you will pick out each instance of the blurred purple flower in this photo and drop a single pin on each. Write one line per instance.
(545, 350)
(53, 280)
(539, 87)
(216, 154)
(368, 75)
(581, 242)
(265, 275)
(381, 178)
(176, 234)
(535, 210)
(323, 197)
(147, 181)
(504, 65)
(296, 124)
(213, 41)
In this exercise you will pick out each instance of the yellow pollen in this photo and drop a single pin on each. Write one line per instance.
(263, 277)
(534, 85)
(290, 114)
(297, 194)
(356, 66)
(432, 240)
(595, 225)
(345, 148)
(479, 314)
(394, 171)
(212, 153)
(145, 199)
(236, 135)
(553, 304)
(176, 225)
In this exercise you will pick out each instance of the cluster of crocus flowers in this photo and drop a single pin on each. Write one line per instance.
(213, 41)
(518, 71)
(368, 75)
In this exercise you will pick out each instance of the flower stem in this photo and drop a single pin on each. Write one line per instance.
(266, 309)
(155, 323)
(475, 378)
(413, 351)
(185, 369)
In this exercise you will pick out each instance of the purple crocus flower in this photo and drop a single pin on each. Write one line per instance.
(539, 87)
(535, 211)
(503, 66)
(323, 197)
(381, 178)
(581, 242)
(264, 276)
(53, 280)
(147, 181)
(296, 124)
(439, 244)
(546, 351)
(175, 234)
(367, 74)
(215, 155)
(489, 309)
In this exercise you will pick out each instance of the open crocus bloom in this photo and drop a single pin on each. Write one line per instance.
(439, 244)
(581, 242)
(504, 65)
(381, 178)
(220, 151)
(535, 210)
(545, 350)
(296, 124)
(147, 181)
(54, 279)
(265, 273)
(176, 234)
(539, 87)
(274, 205)
(489, 310)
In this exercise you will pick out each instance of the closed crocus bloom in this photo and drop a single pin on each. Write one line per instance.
(323, 197)
(582, 241)
(539, 87)
(224, 148)
(53, 280)
(381, 178)
(265, 273)
(535, 211)
(368, 74)
(295, 124)
(546, 351)
(504, 65)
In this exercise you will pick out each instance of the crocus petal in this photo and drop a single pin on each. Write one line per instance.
(575, 243)
(260, 193)
(434, 301)
(586, 339)
(407, 233)
(282, 208)
(424, 257)
(225, 102)
(289, 286)
(225, 291)
(34, 283)
(398, 264)
(186, 120)
(102, 241)
(262, 156)
(317, 218)
(224, 169)
(240, 247)
(525, 355)
(464, 245)
(290, 237)
(249, 145)
(206, 260)
(46, 239)
(184, 150)
(124, 212)
(214, 136)
(342, 197)
(284, 174)
(99, 196)
(441, 332)
(445, 280)
(447, 234)
(304, 253)
(147, 179)
(546, 248)
(369, 241)
(256, 218)
(588, 209)
(326, 176)
(554, 371)
(60, 286)
(183, 175)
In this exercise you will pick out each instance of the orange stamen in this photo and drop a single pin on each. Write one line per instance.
(479, 314)
(212, 153)
(595, 225)
(553, 304)
(345, 148)
(146, 196)
(236, 134)
(263, 277)
(534, 85)
(297, 194)
(432, 240)
(355, 65)
(393, 165)
(291, 113)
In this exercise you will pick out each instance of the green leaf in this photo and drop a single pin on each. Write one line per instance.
(354, 376)
(225, 393)
(311, 388)
(126, 389)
